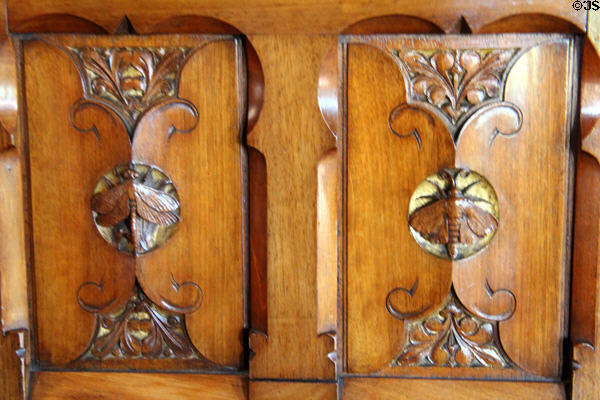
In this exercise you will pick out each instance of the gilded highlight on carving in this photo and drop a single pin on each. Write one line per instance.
(453, 213)
(140, 329)
(131, 80)
(135, 208)
(452, 337)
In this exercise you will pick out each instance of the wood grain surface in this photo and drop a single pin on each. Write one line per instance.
(527, 260)
(405, 389)
(586, 279)
(10, 368)
(206, 250)
(327, 197)
(273, 17)
(292, 136)
(14, 297)
(290, 295)
(379, 244)
(532, 173)
(265, 390)
(114, 385)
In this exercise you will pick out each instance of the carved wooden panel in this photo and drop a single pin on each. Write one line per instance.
(456, 185)
(138, 182)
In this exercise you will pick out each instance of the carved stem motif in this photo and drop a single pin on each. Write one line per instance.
(452, 337)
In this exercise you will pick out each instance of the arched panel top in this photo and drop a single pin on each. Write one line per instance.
(268, 16)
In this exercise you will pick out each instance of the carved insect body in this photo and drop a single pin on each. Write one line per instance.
(134, 200)
(453, 217)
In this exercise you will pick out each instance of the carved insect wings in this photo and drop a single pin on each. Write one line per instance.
(453, 217)
(133, 199)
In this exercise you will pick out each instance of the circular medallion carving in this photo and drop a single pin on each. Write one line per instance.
(454, 213)
(135, 207)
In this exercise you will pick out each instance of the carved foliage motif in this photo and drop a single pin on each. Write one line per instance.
(451, 337)
(131, 83)
(140, 329)
(458, 86)
(131, 80)
(456, 80)
(136, 207)
(452, 214)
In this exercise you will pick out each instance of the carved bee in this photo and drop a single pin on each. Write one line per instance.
(132, 199)
(453, 216)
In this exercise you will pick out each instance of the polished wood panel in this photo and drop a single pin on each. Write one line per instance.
(269, 16)
(268, 390)
(327, 257)
(206, 167)
(13, 269)
(585, 250)
(380, 183)
(209, 184)
(257, 216)
(530, 255)
(327, 295)
(586, 286)
(285, 296)
(292, 136)
(10, 368)
(504, 284)
(405, 389)
(113, 385)
(8, 84)
(66, 245)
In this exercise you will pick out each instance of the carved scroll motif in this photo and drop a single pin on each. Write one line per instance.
(140, 329)
(451, 337)
(135, 206)
(452, 214)
(130, 80)
(456, 84)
